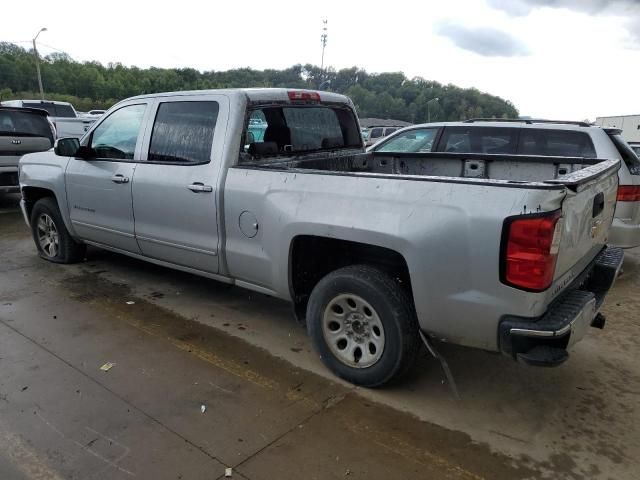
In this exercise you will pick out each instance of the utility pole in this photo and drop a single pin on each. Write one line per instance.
(35, 52)
(323, 40)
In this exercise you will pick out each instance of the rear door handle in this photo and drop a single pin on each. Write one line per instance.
(200, 187)
(119, 178)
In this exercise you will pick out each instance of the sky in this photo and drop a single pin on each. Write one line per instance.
(560, 59)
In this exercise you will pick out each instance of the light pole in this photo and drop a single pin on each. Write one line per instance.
(35, 52)
(429, 111)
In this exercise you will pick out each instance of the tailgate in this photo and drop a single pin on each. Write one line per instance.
(73, 127)
(587, 213)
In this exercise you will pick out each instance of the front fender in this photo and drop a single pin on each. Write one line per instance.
(46, 170)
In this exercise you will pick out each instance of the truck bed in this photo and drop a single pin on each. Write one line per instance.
(512, 170)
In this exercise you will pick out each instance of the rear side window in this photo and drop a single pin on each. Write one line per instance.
(24, 124)
(479, 140)
(55, 110)
(183, 132)
(558, 143)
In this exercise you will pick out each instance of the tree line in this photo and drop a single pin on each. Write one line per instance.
(91, 85)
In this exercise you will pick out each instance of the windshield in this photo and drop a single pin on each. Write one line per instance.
(275, 130)
(411, 141)
(24, 124)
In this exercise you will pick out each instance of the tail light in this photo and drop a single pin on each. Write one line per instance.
(629, 193)
(530, 250)
(299, 95)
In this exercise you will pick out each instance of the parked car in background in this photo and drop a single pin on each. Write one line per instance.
(62, 114)
(375, 129)
(534, 137)
(22, 130)
(372, 135)
(378, 252)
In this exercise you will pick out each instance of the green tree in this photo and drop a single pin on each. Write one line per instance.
(388, 95)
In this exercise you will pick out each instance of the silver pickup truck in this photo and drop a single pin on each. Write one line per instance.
(378, 252)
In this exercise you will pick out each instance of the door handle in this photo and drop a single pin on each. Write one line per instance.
(200, 187)
(119, 178)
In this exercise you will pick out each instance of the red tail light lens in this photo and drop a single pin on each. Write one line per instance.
(297, 95)
(629, 193)
(530, 250)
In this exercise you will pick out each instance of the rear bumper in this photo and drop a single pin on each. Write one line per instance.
(623, 234)
(543, 341)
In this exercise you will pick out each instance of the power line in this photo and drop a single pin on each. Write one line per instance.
(40, 43)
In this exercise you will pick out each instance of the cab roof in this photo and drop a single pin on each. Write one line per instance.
(254, 94)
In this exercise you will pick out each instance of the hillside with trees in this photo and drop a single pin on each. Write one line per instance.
(383, 95)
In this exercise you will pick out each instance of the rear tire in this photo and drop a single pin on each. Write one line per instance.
(52, 239)
(363, 325)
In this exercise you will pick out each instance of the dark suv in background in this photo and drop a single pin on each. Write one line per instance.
(22, 131)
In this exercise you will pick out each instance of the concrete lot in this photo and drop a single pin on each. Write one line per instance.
(272, 410)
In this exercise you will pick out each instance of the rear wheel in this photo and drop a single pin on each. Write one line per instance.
(52, 239)
(363, 325)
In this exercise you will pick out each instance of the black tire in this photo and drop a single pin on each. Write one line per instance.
(391, 306)
(68, 250)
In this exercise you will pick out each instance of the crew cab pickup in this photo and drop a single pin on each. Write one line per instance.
(378, 252)
(64, 117)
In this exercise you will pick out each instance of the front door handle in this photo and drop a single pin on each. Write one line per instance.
(200, 187)
(119, 178)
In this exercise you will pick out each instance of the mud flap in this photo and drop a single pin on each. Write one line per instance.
(445, 366)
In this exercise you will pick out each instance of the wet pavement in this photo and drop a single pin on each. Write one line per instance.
(179, 342)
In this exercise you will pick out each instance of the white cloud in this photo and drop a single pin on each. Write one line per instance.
(485, 41)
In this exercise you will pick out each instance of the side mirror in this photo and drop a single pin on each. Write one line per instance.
(66, 147)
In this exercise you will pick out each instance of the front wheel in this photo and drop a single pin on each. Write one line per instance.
(363, 325)
(53, 241)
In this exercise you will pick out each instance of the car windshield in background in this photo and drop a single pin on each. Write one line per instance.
(525, 141)
(296, 129)
(55, 110)
(24, 124)
(411, 141)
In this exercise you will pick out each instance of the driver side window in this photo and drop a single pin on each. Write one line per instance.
(116, 136)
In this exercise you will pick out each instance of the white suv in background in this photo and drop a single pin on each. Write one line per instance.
(535, 137)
